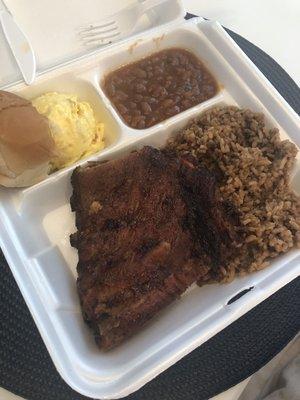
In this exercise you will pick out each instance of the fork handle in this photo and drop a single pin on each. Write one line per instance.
(148, 4)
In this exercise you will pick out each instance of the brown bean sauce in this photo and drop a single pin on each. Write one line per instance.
(155, 88)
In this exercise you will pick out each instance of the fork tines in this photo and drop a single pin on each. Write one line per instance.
(99, 33)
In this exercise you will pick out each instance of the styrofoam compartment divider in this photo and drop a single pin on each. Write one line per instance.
(35, 223)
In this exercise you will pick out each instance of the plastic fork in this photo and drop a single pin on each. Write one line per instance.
(118, 25)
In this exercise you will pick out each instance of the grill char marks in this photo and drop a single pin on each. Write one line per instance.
(139, 238)
(208, 219)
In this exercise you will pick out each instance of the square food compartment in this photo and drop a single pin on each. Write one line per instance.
(184, 38)
(232, 89)
(35, 224)
(72, 83)
(159, 86)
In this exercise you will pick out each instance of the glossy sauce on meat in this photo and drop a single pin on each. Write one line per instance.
(159, 86)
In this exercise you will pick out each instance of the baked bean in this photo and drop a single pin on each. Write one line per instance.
(140, 73)
(137, 120)
(127, 118)
(141, 124)
(117, 80)
(159, 91)
(111, 89)
(186, 104)
(132, 105)
(123, 109)
(167, 103)
(156, 92)
(188, 94)
(121, 95)
(152, 87)
(138, 98)
(198, 76)
(172, 110)
(151, 121)
(174, 61)
(187, 86)
(159, 86)
(152, 100)
(176, 109)
(158, 71)
(140, 88)
(178, 70)
(183, 60)
(145, 108)
(136, 113)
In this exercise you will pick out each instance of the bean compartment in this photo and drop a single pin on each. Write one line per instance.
(157, 87)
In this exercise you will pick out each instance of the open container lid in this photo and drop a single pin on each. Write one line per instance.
(52, 28)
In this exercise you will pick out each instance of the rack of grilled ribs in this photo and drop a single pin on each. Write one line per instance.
(149, 225)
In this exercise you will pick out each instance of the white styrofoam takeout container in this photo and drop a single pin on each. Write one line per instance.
(35, 223)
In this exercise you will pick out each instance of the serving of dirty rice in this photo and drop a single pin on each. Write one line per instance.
(253, 166)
